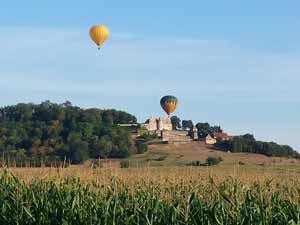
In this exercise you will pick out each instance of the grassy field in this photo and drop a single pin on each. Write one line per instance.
(261, 191)
(182, 154)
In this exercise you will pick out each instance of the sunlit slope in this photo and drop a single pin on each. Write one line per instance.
(184, 153)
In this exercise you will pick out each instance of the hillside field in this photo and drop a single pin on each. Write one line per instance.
(180, 154)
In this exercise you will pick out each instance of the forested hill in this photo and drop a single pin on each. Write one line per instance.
(50, 131)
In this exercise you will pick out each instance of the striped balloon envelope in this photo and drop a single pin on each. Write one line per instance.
(169, 103)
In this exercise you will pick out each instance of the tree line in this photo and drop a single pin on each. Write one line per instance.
(57, 132)
(204, 129)
(243, 143)
(247, 143)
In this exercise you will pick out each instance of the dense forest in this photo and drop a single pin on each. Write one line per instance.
(62, 132)
(247, 143)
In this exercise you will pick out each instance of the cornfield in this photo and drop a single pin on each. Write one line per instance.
(198, 199)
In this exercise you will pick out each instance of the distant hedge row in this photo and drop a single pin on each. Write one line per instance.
(247, 143)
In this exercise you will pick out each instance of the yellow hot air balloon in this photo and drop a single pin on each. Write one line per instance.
(99, 34)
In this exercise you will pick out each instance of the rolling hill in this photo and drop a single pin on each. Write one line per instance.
(183, 153)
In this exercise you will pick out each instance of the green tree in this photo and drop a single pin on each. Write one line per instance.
(203, 129)
(211, 161)
(103, 148)
(79, 152)
(176, 122)
(187, 124)
(141, 147)
(215, 129)
(247, 143)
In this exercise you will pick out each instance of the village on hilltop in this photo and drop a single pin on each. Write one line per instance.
(165, 131)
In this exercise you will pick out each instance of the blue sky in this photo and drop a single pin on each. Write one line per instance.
(232, 63)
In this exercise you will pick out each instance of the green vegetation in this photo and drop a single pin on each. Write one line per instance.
(75, 202)
(247, 143)
(176, 122)
(210, 161)
(187, 124)
(195, 163)
(244, 143)
(205, 128)
(96, 163)
(160, 158)
(124, 164)
(141, 147)
(50, 132)
(147, 136)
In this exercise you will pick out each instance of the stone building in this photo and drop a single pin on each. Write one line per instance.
(164, 129)
(209, 140)
(194, 134)
(175, 136)
(153, 124)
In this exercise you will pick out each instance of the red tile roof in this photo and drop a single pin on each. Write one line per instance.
(222, 135)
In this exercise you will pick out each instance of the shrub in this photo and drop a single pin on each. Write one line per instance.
(161, 158)
(124, 164)
(211, 161)
(196, 163)
(147, 136)
(96, 164)
(141, 147)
